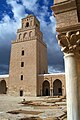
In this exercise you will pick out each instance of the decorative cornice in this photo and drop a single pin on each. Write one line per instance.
(23, 40)
(75, 27)
(70, 42)
(29, 39)
(25, 29)
(64, 7)
(60, 2)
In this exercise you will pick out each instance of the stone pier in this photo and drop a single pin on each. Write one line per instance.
(70, 46)
(71, 87)
(68, 29)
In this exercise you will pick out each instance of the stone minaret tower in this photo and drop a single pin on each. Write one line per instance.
(67, 13)
(28, 58)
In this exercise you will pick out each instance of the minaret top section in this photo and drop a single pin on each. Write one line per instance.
(30, 21)
(30, 29)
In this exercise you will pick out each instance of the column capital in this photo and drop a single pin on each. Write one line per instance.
(69, 42)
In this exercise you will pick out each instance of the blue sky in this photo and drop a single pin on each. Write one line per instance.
(11, 13)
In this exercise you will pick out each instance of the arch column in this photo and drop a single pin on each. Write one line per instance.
(71, 87)
(46, 88)
(51, 87)
(41, 93)
(51, 91)
(70, 43)
(57, 84)
(63, 91)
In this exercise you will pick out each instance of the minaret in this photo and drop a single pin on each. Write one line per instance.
(28, 58)
(67, 13)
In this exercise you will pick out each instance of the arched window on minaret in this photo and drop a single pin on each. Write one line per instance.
(30, 34)
(20, 36)
(27, 24)
(25, 35)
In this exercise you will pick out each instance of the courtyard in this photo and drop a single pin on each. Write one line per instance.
(32, 108)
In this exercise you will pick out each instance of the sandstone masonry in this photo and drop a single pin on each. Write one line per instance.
(28, 74)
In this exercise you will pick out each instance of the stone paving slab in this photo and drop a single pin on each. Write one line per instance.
(42, 105)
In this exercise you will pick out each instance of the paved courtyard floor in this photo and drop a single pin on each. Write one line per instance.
(32, 108)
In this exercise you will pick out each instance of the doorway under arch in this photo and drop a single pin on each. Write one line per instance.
(57, 88)
(46, 88)
(3, 88)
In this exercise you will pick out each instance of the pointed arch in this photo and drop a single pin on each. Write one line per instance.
(57, 88)
(3, 88)
(46, 88)
(25, 35)
(30, 34)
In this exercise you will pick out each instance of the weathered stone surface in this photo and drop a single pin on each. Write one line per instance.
(34, 74)
(67, 14)
(29, 39)
(68, 28)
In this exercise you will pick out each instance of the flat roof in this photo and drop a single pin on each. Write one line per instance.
(51, 74)
(4, 76)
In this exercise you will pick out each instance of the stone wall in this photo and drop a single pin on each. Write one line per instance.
(4, 81)
(28, 84)
(51, 78)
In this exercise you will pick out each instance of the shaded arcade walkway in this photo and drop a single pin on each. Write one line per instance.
(3, 88)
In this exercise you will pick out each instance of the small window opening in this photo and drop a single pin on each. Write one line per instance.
(22, 52)
(21, 77)
(21, 92)
(30, 34)
(27, 24)
(22, 64)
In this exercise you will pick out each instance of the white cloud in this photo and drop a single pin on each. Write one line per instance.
(55, 69)
(31, 5)
(53, 22)
(7, 28)
(17, 9)
(46, 2)
(19, 12)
